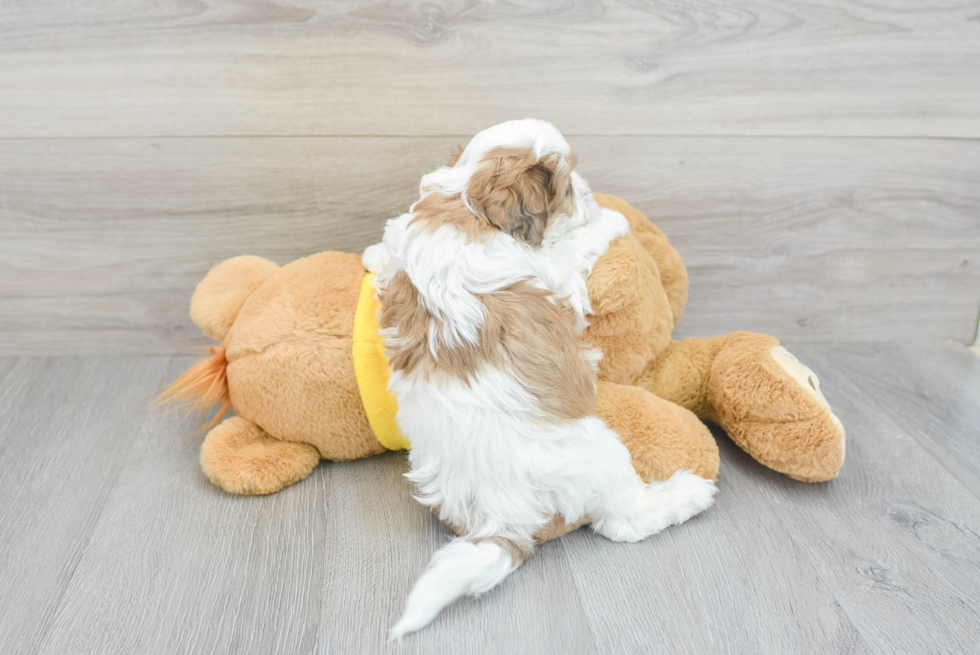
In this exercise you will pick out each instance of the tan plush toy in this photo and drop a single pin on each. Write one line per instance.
(303, 367)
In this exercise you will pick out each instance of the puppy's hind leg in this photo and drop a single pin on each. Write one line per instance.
(650, 508)
(627, 509)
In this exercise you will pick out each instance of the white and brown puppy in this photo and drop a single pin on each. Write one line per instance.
(483, 292)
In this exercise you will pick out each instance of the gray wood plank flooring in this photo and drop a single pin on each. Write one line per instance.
(65, 429)
(112, 541)
(931, 391)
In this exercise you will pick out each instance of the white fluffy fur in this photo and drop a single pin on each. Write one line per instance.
(461, 567)
(483, 451)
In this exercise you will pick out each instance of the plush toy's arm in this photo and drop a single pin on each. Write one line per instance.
(220, 295)
(631, 319)
(673, 275)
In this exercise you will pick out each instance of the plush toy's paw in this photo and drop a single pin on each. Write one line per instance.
(772, 407)
(658, 505)
(241, 458)
(810, 383)
(823, 430)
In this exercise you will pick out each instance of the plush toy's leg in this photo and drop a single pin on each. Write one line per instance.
(660, 435)
(766, 400)
(772, 407)
(241, 458)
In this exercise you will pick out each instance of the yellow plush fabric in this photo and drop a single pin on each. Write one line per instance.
(372, 372)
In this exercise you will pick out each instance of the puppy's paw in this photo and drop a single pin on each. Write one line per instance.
(659, 505)
(376, 259)
(618, 528)
(689, 494)
(613, 224)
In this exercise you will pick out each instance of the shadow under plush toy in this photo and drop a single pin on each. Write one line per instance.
(303, 367)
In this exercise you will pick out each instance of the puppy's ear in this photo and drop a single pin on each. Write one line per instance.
(455, 155)
(519, 193)
(614, 281)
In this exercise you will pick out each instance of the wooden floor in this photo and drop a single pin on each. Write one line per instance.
(112, 540)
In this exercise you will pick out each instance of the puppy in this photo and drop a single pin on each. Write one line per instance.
(483, 292)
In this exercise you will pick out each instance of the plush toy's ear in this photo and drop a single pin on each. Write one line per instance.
(614, 281)
(220, 295)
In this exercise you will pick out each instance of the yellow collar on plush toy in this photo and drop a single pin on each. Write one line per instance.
(372, 372)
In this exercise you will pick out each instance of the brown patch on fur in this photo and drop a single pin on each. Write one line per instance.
(203, 385)
(556, 527)
(553, 529)
(437, 210)
(518, 552)
(519, 193)
(524, 332)
(537, 340)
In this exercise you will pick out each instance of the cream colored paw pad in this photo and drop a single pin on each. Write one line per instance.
(798, 371)
(808, 380)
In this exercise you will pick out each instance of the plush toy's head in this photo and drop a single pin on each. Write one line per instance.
(638, 290)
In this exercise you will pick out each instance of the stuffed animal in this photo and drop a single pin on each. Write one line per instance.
(303, 367)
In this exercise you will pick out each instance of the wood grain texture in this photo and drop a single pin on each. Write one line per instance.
(932, 391)
(887, 554)
(812, 239)
(66, 426)
(177, 565)
(300, 67)
(731, 581)
(112, 541)
(895, 538)
(808, 239)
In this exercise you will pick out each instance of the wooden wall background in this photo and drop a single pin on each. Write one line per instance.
(816, 163)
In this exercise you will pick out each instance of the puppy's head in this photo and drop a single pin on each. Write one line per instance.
(521, 193)
(519, 178)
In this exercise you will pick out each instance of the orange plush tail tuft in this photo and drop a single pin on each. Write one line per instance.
(201, 386)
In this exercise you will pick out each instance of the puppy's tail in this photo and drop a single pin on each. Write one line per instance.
(460, 567)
